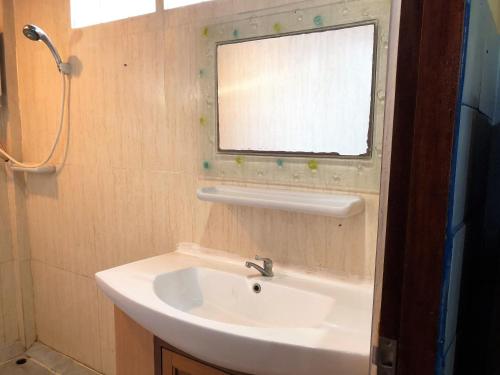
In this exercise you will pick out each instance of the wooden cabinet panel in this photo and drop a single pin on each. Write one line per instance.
(175, 364)
(134, 347)
(139, 352)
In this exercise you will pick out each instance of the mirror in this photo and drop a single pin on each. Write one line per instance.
(304, 93)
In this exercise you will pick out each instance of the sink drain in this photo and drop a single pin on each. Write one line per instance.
(21, 361)
(256, 288)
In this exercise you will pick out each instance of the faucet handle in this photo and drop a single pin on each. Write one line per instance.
(257, 257)
(268, 262)
(267, 270)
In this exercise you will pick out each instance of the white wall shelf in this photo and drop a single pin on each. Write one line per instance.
(337, 205)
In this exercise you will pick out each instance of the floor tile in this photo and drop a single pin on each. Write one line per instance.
(28, 368)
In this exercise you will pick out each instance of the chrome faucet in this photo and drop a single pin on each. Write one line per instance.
(267, 271)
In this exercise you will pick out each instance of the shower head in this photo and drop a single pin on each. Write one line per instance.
(32, 32)
(35, 33)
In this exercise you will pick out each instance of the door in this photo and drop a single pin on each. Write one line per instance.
(425, 110)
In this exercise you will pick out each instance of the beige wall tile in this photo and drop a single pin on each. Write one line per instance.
(182, 93)
(39, 81)
(27, 303)
(61, 219)
(8, 297)
(18, 216)
(126, 99)
(67, 313)
(16, 329)
(3, 344)
(123, 229)
(198, 14)
(172, 209)
(5, 227)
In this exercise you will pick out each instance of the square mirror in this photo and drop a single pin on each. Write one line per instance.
(305, 93)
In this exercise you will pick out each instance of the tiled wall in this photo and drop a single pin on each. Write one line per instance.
(479, 110)
(127, 187)
(16, 299)
(9, 333)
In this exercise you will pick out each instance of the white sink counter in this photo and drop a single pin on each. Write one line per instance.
(203, 302)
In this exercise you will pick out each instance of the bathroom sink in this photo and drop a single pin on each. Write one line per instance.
(209, 305)
(235, 299)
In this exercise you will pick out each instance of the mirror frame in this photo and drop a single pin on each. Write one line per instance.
(369, 135)
(325, 172)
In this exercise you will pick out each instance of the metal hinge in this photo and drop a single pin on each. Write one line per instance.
(385, 355)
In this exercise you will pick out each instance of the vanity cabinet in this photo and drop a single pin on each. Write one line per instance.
(171, 361)
(176, 364)
(140, 352)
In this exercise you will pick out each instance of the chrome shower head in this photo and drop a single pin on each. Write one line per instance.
(35, 33)
(32, 32)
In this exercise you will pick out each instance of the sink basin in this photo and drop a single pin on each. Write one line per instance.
(215, 309)
(231, 298)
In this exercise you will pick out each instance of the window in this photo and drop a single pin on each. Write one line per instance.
(92, 12)
(171, 4)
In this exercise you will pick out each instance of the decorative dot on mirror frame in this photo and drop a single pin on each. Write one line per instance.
(260, 173)
(365, 13)
(203, 120)
(359, 168)
(206, 165)
(345, 11)
(236, 33)
(300, 15)
(318, 21)
(239, 160)
(277, 27)
(336, 179)
(280, 163)
(254, 22)
(201, 73)
(205, 31)
(296, 176)
(312, 165)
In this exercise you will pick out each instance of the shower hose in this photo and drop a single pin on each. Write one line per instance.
(18, 163)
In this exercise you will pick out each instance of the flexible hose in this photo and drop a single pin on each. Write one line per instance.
(58, 136)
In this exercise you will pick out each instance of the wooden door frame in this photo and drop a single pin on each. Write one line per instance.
(425, 108)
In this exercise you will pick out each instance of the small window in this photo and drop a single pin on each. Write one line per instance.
(171, 4)
(92, 12)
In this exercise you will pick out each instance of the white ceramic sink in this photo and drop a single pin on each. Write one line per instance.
(206, 304)
(230, 298)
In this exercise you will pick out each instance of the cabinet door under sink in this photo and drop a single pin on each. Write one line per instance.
(175, 364)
